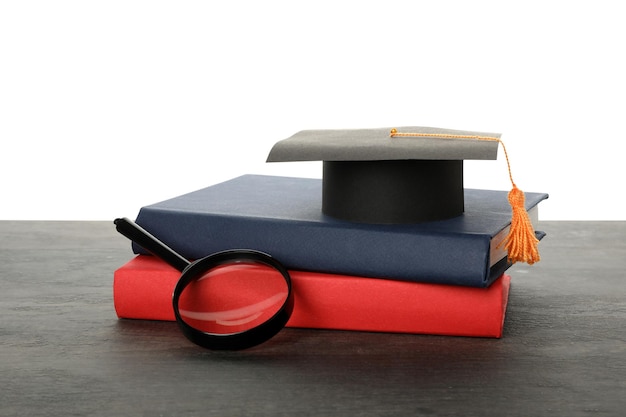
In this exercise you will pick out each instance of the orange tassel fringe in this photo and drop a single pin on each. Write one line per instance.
(521, 242)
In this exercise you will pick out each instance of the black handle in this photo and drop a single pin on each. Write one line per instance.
(150, 243)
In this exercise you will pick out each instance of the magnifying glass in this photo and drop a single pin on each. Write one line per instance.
(229, 300)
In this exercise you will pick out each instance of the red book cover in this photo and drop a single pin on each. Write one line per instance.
(143, 287)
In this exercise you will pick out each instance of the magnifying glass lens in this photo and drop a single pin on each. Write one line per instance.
(233, 298)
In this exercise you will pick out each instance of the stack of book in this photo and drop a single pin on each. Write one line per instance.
(444, 277)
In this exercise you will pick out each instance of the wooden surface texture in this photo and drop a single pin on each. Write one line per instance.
(63, 352)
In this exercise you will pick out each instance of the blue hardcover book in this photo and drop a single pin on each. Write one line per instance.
(283, 216)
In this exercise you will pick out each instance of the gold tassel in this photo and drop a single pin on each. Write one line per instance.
(521, 242)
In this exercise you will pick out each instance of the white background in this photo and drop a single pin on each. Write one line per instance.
(106, 106)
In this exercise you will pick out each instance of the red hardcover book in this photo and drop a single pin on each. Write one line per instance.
(143, 287)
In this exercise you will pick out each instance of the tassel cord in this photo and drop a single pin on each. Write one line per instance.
(521, 242)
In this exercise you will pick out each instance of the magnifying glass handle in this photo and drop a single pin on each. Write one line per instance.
(150, 243)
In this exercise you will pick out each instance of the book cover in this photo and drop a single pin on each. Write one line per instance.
(282, 216)
(142, 289)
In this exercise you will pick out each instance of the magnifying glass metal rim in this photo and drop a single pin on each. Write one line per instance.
(195, 270)
(243, 339)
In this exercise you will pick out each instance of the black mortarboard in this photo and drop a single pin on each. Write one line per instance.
(373, 176)
(403, 175)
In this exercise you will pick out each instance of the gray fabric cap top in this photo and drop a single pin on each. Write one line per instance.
(378, 145)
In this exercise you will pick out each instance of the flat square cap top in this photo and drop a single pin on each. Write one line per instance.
(378, 145)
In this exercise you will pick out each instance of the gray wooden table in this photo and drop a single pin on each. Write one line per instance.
(63, 352)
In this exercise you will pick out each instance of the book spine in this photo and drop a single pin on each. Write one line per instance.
(142, 289)
(337, 248)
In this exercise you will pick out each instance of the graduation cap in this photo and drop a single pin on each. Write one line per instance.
(402, 175)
